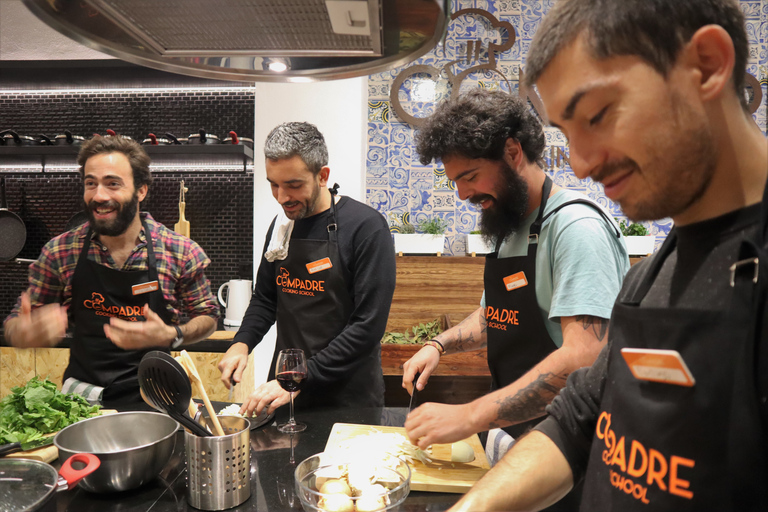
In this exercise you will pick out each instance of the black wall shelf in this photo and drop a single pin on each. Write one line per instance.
(169, 152)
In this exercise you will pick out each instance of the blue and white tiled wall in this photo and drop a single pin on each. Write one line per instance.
(397, 185)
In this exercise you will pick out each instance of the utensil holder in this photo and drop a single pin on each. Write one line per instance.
(218, 467)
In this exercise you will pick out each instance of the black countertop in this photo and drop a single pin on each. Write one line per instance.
(272, 482)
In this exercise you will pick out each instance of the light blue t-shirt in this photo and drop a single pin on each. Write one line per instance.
(580, 264)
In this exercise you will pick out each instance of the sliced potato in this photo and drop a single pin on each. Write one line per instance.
(336, 503)
(335, 486)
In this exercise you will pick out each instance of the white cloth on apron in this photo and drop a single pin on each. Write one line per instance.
(498, 443)
(281, 237)
(90, 392)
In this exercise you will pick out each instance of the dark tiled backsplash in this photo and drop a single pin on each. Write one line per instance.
(129, 113)
(219, 201)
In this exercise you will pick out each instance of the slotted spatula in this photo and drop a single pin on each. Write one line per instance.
(166, 385)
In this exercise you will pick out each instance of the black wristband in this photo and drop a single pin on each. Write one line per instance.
(441, 345)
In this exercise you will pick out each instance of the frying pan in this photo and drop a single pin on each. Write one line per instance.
(12, 229)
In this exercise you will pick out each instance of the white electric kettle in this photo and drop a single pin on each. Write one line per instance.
(238, 297)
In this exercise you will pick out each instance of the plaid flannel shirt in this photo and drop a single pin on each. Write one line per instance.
(181, 265)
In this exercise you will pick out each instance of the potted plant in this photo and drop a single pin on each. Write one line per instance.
(637, 239)
(427, 237)
(477, 244)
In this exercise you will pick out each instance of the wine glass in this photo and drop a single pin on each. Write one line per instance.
(290, 371)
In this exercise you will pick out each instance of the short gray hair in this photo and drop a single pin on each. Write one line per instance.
(297, 139)
(654, 30)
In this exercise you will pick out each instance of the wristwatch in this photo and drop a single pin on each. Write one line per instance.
(179, 339)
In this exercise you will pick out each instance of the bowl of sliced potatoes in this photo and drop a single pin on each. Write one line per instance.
(325, 482)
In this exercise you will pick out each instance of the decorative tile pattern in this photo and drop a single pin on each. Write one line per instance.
(466, 47)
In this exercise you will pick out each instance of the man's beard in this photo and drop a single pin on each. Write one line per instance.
(126, 212)
(308, 207)
(507, 212)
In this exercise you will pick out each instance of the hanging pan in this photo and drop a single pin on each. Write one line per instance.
(12, 229)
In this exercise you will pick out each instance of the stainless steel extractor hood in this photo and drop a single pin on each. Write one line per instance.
(253, 40)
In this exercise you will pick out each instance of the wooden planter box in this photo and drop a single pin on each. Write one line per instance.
(466, 363)
(476, 244)
(640, 245)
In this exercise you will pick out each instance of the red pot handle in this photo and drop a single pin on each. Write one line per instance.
(72, 475)
(235, 140)
(153, 138)
(111, 132)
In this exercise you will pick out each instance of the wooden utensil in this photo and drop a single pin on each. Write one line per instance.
(440, 475)
(182, 227)
(189, 365)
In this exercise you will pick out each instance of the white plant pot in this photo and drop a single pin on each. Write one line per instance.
(640, 245)
(476, 244)
(419, 243)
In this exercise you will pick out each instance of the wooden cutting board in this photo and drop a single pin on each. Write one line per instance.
(47, 453)
(440, 475)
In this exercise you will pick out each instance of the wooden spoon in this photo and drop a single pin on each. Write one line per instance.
(189, 365)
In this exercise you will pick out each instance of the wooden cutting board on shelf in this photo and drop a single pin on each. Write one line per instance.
(440, 475)
(47, 453)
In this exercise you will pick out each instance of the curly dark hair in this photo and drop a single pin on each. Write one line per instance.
(132, 150)
(477, 124)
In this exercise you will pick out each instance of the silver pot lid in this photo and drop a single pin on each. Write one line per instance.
(26, 484)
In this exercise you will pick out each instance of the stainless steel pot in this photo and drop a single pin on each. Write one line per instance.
(153, 140)
(234, 139)
(133, 448)
(201, 137)
(67, 139)
(11, 138)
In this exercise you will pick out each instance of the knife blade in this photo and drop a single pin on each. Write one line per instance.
(231, 388)
(23, 447)
(413, 392)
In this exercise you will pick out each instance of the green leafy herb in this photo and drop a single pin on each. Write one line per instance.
(39, 408)
(632, 229)
(433, 226)
(417, 334)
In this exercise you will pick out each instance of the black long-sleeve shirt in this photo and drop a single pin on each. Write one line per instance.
(368, 256)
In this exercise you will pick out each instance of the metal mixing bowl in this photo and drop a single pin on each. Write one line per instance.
(133, 448)
(396, 479)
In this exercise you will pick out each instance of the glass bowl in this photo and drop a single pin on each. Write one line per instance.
(394, 478)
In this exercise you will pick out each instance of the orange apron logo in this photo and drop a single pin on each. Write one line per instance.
(647, 465)
(317, 266)
(147, 287)
(96, 303)
(298, 286)
(499, 318)
(515, 281)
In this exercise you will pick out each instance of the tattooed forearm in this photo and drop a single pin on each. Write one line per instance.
(598, 325)
(530, 402)
(468, 335)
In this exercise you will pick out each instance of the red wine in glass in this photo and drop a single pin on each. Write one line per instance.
(290, 371)
(291, 381)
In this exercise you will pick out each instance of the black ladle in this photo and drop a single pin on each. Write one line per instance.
(166, 385)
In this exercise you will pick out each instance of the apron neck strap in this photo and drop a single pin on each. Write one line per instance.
(332, 225)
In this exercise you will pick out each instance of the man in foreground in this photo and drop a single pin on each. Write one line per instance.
(650, 94)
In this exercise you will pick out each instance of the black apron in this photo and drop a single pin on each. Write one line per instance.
(314, 304)
(660, 446)
(98, 294)
(516, 333)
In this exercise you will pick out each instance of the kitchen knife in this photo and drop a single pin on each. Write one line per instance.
(231, 388)
(23, 447)
(413, 393)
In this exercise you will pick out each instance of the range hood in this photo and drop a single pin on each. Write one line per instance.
(253, 40)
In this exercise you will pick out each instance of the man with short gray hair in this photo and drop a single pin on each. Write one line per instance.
(672, 415)
(327, 278)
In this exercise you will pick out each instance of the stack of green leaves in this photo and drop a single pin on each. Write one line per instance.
(39, 408)
(418, 334)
